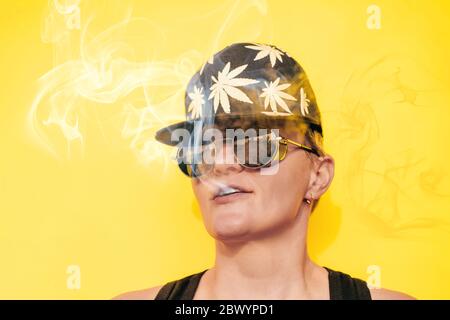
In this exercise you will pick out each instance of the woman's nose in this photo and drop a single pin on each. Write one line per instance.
(225, 160)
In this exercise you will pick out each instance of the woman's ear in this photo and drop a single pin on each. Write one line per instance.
(322, 173)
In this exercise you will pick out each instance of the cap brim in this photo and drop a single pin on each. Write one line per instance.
(164, 135)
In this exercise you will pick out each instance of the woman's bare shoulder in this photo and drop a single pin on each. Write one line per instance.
(386, 294)
(144, 294)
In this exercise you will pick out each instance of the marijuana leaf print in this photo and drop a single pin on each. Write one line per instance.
(225, 85)
(274, 96)
(304, 102)
(264, 51)
(197, 101)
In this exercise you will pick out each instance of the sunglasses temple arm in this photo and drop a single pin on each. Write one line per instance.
(302, 146)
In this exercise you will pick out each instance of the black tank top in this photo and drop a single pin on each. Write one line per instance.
(342, 287)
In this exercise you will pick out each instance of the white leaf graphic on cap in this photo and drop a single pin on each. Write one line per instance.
(274, 96)
(304, 102)
(197, 101)
(265, 50)
(225, 85)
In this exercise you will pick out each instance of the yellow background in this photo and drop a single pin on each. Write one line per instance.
(102, 196)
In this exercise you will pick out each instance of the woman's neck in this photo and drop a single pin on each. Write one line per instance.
(276, 266)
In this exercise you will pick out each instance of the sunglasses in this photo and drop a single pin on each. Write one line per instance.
(250, 152)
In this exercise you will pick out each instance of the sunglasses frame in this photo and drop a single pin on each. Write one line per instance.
(187, 168)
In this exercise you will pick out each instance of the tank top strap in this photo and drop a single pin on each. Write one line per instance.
(181, 289)
(341, 285)
(345, 287)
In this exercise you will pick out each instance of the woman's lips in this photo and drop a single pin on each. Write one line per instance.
(231, 197)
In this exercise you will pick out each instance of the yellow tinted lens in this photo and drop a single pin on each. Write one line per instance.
(256, 152)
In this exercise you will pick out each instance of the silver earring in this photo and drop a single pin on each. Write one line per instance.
(308, 201)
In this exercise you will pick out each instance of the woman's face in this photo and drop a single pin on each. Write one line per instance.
(269, 199)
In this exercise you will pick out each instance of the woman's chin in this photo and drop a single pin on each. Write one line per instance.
(231, 237)
(230, 227)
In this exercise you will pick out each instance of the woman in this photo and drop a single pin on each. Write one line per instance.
(256, 208)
